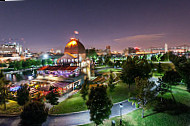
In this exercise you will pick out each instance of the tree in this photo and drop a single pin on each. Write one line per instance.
(3, 65)
(171, 77)
(11, 64)
(44, 62)
(34, 113)
(22, 95)
(162, 88)
(110, 83)
(49, 61)
(145, 93)
(107, 60)
(3, 89)
(133, 68)
(165, 57)
(38, 63)
(99, 104)
(110, 63)
(100, 61)
(158, 57)
(184, 71)
(118, 64)
(91, 53)
(160, 70)
(85, 88)
(153, 58)
(52, 96)
(26, 63)
(18, 65)
(182, 66)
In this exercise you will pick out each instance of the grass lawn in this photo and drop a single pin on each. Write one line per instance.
(101, 66)
(153, 118)
(180, 94)
(156, 74)
(121, 92)
(75, 103)
(12, 108)
(158, 119)
(165, 67)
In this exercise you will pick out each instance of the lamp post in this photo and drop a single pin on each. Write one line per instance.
(121, 106)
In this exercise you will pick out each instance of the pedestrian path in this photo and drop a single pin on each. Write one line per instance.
(72, 119)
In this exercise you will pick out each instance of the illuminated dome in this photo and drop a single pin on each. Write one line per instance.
(74, 47)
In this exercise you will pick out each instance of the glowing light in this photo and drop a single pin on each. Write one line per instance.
(14, 88)
(76, 32)
(136, 48)
(30, 77)
(72, 43)
(50, 75)
(45, 56)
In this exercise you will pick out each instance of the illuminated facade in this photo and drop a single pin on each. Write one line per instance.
(10, 48)
(74, 53)
(65, 78)
(180, 49)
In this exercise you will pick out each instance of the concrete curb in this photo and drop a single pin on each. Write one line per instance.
(67, 114)
(8, 116)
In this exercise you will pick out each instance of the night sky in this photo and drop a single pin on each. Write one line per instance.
(46, 24)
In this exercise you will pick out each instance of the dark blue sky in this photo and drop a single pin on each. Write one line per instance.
(46, 24)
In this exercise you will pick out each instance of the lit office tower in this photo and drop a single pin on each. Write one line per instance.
(108, 49)
(166, 48)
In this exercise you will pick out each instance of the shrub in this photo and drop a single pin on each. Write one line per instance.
(34, 113)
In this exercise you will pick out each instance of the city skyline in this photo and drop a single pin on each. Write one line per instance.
(47, 24)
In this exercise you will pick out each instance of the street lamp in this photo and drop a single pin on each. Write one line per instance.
(121, 106)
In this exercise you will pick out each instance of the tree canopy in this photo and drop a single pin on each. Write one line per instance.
(3, 89)
(85, 88)
(22, 95)
(34, 113)
(184, 71)
(110, 83)
(52, 96)
(99, 104)
(182, 65)
(133, 68)
(145, 92)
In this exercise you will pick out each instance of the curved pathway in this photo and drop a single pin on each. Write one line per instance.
(72, 119)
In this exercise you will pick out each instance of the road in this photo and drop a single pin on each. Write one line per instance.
(71, 119)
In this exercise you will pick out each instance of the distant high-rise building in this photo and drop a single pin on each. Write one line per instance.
(58, 52)
(9, 48)
(108, 49)
(166, 48)
(180, 49)
(131, 50)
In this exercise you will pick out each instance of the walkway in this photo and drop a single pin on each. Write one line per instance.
(72, 119)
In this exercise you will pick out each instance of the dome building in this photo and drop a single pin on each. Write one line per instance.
(74, 47)
(74, 53)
